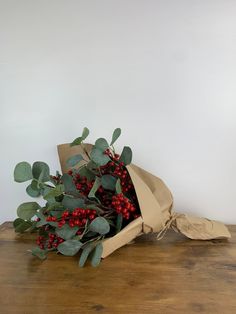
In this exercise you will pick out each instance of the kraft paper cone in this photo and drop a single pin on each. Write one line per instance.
(155, 201)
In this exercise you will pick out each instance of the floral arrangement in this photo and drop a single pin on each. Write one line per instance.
(94, 200)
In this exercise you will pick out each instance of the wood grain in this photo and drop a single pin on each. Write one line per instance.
(174, 275)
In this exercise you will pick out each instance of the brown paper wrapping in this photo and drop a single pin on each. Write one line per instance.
(157, 215)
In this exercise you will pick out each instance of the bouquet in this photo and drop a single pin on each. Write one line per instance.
(99, 203)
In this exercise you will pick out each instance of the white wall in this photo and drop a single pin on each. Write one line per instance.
(163, 71)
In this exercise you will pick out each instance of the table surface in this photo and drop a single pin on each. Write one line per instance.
(173, 275)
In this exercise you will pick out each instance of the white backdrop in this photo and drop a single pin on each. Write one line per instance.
(163, 71)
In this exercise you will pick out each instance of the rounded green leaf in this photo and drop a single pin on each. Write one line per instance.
(96, 255)
(99, 225)
(41, 171)
(69, 185)
(101, 144)
(115, 135)
(20, 225)
(126, 155)
(85, 133)
(27, 210)
(108, 182)
(41, 254)
(71, 203)
(98, 157)
(32, 189)
(22, 172)
(85, 253)
(74, 160)
(69, 247)
(66, 232)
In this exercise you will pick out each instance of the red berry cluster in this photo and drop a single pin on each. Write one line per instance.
(52, 242)
(123, 205)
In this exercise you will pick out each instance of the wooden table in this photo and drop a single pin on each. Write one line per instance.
(174, 275)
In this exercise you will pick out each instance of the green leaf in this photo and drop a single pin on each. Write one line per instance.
(115, 135)
(80, 139)
(66, 232)
(20, 225)
(72, 203)
(99, 225)
(108, 182)
(74, 160)
(126, 155)
(41, 171)
(97, 255)
(85, 133)
(118, 187)
(68, 182)
(58, 190)
(101, 144)
(119, 221)
(85, 253)
(95, 187)
(98, 157)
(22, 172)
(27, 210)
(36, 251)
(69, 247)
(31, 191)
(85, 172)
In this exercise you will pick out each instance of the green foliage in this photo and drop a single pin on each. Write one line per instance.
(22, 172)
(87, 249)
(98, 157)
(116, 134)
(97, 255)
(21, 225)
(68, 183)
(101, 144)
(66, 232)
(69, 247)
(41, 171)
(32, 189)
(99, 225)
(86, 172)
(95, 187)
(71, 203)
(118, 187)
(119, 221)
(54, 192)
(108, 182)
(27, 210)
(74, 160)
(80, 139)
(41, 254)
(126, 155)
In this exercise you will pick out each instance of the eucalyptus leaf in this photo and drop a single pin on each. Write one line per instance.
(108, 182)
(116, 134)
(97, 255)
(101, 143)
(41, 254)
(27, 210)
(69, 247)
(99, 157)
(85, 133)
(80, 139)
(32, 192)
(68, 182)
(39, 168)
(85, 172)
(66, 232)
(71, 202)
(85, 253)
(118, 187)
(119, 221)
(22, 172)
(126, 155)
(95, 187)
(21, 225)
(58, 190)
(74, 160)
(99, 225)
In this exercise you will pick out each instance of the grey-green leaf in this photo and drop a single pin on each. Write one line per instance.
(116, 134)
(69, 247)
(22, 172)
(99, 157)
(21, 225)
(126, 155)
(99, 225)
(66, 232)
(74, 160)
(27, 210)
(41, 254)
(54, 192)
(85, 133)
(118, 187)
(97, 255)
(85, 253)
(108, 182)
(32, 192)
(71, 202)
(101, 144)
(68, 182)
(39, 168)
(95, 187)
